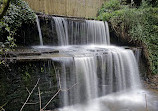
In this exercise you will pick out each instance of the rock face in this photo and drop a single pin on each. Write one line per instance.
(152, 83)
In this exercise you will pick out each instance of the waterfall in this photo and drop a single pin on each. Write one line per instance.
(39, 31)
(138, 54)
(93, 67)
(97, 32)
(81, 71)
(62, 30)
(86, 77)
(80, 33)
(97, 71)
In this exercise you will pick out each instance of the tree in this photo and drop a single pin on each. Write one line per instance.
(4, 5)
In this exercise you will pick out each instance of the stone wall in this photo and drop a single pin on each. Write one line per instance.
(71, 8)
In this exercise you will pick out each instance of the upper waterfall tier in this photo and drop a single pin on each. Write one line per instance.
(79, 33)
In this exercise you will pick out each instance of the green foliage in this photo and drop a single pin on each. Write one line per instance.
(154, 3)
(108, 9)
(110, 6)
(17, 14)
(4, 4)
(140, 23)
(26, 76)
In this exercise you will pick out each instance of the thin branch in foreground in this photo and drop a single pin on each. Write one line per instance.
(59, 81)
(51, 99)
(60, 89)
(1, 107)
(57, 75)
(29, 95)
(32, 103)
(39, 93)
(69, 88)
(27, 90)
(146, 103)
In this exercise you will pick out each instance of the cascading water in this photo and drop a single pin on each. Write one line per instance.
(97, 70)
(39, 31)
(87, 32)
(86, 77)
(81, 71)
(62, 30)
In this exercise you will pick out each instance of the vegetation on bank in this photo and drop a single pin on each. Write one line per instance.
(18, 13)
(136, 23)
(4, 4)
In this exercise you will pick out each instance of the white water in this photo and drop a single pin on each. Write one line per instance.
(122, 101)
(106, 77)
(97, 32)
(62, 30)
(39, 31)
(97, 70)
(86, 77)
(87, 32)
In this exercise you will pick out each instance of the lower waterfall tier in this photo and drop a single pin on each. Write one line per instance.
(96, 71)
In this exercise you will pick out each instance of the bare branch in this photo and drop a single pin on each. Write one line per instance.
(59, 81)
(57, 75)
(57, 91)
(39, 93)
(27, 90)
(51, 99)
(29, 95)
(32, 103)
(69, 88)
(1, 107)
(146, 103)
(60, 89)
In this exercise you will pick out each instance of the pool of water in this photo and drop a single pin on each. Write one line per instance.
(139, 100)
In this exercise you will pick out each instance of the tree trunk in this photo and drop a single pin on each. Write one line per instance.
(4, 7)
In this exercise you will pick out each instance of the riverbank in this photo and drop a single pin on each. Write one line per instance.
(152, 84)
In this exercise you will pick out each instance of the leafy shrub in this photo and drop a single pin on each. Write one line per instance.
(140, 23)
(154, 3)
(17, 14)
